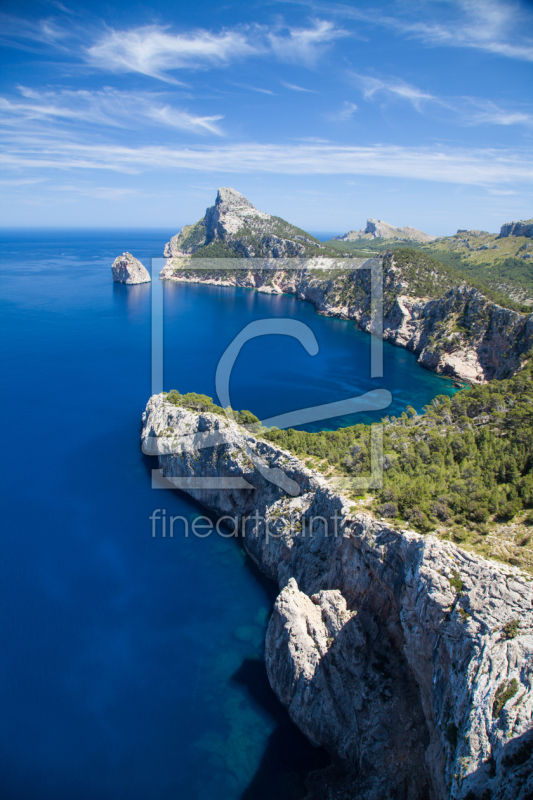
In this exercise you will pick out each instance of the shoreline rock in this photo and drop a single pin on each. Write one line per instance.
(127, 269)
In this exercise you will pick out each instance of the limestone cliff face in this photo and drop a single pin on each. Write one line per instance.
(521, 228)
(407, 657)
(377, 229)
(461, 334)
(127, 269)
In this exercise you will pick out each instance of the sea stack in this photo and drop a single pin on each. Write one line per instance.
(127, 269)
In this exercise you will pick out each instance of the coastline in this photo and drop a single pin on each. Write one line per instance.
(406, 631)
(461, 335)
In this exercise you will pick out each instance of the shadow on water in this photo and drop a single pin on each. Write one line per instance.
(289, 757)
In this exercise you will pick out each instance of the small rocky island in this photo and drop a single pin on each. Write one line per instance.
(127, 269)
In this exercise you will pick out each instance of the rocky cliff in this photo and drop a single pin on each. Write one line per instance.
(127, 269)
(377, 229)
(454, 330)
(521, 228)
(408, 658)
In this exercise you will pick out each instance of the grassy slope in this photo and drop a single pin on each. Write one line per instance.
(503, 269)
(429, 277)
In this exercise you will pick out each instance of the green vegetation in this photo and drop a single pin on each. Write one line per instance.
(464, 463)
(429, 277)
(191, 236)
(510, 629)
(482, 259)
(456, 582)
(504, 693)
(203, 403)
(217, 249)
(257, 241)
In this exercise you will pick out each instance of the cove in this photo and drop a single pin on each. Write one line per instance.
(132, 666)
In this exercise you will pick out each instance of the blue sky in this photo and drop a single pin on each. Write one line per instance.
(417, 113)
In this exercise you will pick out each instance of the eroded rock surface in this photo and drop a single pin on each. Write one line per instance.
(407, 657)
(521, 228)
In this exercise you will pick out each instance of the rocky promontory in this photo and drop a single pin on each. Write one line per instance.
(408, 658)
(127, 269)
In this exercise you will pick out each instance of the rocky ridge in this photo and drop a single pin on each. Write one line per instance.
(408, 658)
(127, 269)
(453, 330)
(233, 227)
(377, 229)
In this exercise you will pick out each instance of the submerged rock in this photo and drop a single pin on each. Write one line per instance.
(127, 269)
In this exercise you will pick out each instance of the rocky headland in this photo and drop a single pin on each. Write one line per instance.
(408, 658)
(127, 269)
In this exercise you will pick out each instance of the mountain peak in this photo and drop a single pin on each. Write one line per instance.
(226, 196)
(235, 228)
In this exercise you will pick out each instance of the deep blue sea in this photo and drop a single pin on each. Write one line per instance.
(131, 666)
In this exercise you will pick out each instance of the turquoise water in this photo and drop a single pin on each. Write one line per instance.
(132, 666)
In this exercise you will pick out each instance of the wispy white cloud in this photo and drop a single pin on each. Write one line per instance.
(479, 112)
(466, 111)
(20, 181)
(153, 50)
(490, 25)
(304, 45)
(297, 88)
(502, 27)
(346, 112)
(482, 167)
(99, 192)
(108, 107)
(371, 86)
(157, 51)
(254, 88)
(39, 32)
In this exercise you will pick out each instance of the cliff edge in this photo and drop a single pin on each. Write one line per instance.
(407, 657)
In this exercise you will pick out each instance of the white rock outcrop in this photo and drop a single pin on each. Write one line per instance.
(127, 269)
(410, 659)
